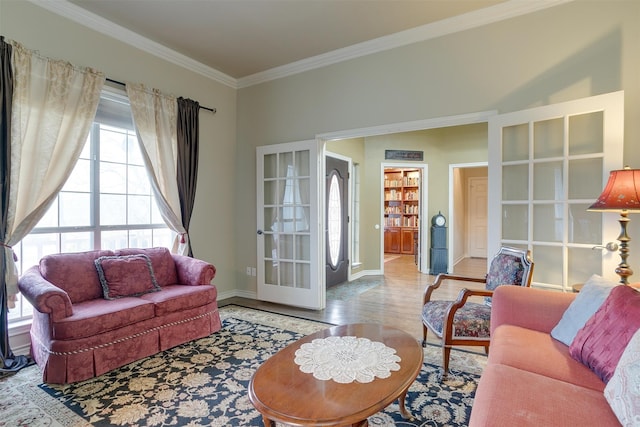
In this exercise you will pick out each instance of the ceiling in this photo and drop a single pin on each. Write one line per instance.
(239, 39)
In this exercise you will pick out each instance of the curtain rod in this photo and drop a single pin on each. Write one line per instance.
(213, 110)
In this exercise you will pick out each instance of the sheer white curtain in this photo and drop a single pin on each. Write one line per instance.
(155, 117)
(53, 106)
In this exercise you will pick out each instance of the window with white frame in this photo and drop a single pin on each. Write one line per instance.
(107, 202)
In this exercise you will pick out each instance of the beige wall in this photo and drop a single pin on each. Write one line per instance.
(566, 52)
(571, 51)
(212, 236)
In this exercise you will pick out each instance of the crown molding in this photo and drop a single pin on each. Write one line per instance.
(108, 28)
(499, 12)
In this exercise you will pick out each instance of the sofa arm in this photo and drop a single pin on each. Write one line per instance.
(192, 271)
(531, 308)
(44, 296)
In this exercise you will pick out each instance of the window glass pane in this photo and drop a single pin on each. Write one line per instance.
(515, 182)
(50, 219)
(140, 239)
(86, 150)
(75, 209)
(135, 155)
(35, 246)
(334, 220)
(76, 242)
(163, 237)
(515, 143)
(138, 182)
(139, 210)
(547, 181)
(548, 223)
(114, 239)
(80, 178)
(548, 261)
(585, 178)
(113, 209)
(584, 226)
(584, 262)
(156, 218)
(515, 220)
(113, 145)
(548, 138)
(113, 178)
(586, 133)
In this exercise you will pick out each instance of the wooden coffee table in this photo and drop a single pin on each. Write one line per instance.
(283, 393)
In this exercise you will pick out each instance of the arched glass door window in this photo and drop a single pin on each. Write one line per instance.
(334, 220)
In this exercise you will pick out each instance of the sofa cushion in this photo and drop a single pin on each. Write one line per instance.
(623, 389)
(507, 396)
(176, 298)
(126, 276)
(161, 260)
(587, 302)
(600, 343)
(539, 353)
(94, 317)
(75, 273)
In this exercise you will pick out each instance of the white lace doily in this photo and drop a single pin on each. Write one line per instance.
(347, 359)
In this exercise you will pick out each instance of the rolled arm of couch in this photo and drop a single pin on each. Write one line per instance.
(192, 271)
(531, 308)
(44, 295)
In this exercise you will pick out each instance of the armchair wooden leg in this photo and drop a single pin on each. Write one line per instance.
(446, 352)
(424, 335)
(486, 349)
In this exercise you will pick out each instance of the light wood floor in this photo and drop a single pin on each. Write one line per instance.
(396, 302)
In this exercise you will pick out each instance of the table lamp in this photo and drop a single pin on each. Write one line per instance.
(621, 194)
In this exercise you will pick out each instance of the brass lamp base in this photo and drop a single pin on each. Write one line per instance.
(623, 270)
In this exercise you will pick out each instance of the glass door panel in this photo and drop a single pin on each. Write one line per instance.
(288, 225)
(546, 166)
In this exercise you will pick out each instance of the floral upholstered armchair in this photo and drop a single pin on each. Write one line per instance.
(466, 323)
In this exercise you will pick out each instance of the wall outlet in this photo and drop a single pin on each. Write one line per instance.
(253, 271)
(248, 271)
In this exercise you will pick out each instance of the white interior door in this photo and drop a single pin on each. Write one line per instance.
(546, 166)
(288, 223)
(477, 218)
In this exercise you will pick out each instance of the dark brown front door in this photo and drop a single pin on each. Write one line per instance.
(337, 221)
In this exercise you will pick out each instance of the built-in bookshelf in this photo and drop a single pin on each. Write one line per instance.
(401, 209)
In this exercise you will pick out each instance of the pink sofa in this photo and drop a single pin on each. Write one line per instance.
(530, 378)
(79, 333)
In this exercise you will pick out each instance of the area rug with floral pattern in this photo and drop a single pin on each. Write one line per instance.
(204, 383)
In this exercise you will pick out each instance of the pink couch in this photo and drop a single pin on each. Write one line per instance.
(530, 378)
(77, 333)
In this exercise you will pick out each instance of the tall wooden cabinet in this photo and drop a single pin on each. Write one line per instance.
(401, 209)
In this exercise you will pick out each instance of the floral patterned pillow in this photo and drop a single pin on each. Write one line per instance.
(623, 389)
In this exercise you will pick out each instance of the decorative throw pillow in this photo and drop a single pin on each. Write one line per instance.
(126, 276)
(586, 303)
(623, 389)
(600, 343)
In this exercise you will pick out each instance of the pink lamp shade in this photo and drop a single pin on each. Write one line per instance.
(622, 192)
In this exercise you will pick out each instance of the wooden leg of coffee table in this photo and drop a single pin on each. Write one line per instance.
(403, 409)
(267, 422)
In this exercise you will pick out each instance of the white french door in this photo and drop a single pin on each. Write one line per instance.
(547, 165)
(288, 225)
